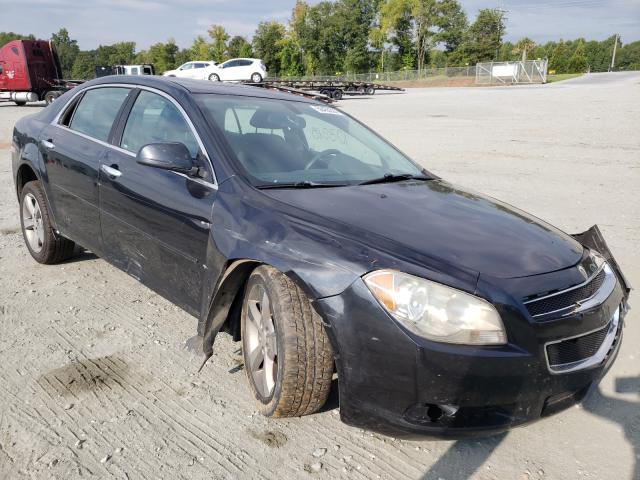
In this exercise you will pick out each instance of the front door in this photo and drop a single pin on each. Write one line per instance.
(72, 150)
(155, 223)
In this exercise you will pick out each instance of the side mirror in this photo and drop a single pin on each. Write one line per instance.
(173, 156)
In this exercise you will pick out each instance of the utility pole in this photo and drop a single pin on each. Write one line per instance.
(613, 57)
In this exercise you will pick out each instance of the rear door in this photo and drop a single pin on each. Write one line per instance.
(72, 149)
(229, 70)
(245, 69)
(155, 223)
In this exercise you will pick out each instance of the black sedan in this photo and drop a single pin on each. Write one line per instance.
(291, 226)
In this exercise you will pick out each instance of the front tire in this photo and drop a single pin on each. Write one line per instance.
(42, 242)
(287, 354)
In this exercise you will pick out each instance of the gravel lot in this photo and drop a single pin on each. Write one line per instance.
(95, 379)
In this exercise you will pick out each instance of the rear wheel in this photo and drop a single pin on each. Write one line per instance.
(287, 354)
(370, 91)
(214, 77)
(336, 95)
(20, 103)
(43, 244)
(256, 78)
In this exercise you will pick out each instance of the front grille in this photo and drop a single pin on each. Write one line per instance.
(566, 299)
(576, 349)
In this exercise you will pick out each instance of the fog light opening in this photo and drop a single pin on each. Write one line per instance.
(428, 413)
(435, 413)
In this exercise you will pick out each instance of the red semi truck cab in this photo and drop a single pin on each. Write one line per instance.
(30, 71)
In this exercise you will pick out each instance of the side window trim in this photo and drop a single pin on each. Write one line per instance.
(118, 128)
(67, 114)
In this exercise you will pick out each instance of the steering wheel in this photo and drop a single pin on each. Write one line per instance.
(321, 155)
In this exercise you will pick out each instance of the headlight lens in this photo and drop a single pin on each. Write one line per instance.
(436, 312)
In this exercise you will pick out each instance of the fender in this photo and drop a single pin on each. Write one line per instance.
(27, 154)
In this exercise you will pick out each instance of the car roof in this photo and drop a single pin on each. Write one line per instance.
(176, 86)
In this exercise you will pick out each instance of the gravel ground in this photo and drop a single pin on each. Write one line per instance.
(95, 378)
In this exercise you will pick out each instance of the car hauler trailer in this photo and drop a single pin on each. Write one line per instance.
(30, 71)
(332, 88)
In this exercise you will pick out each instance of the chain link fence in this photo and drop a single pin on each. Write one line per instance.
(399, 76)
(507, 73)
(489, 73)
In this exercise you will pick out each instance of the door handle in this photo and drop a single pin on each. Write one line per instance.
(48, 144)
(111, 171)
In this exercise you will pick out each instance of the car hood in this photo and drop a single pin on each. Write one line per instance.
(440, 221)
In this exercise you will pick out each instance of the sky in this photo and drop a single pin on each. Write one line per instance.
(95, 22)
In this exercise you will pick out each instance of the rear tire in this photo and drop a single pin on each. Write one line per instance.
(287, 354)
(214, 77)
(336, 95)
(256, 78)
(42, 242)
(20, 103)
(370, 91)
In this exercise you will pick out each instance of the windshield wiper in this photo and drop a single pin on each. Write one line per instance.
(302, 184)
(390, 178)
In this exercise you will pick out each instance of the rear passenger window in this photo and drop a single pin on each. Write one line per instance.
(155, 119)
(95, 114)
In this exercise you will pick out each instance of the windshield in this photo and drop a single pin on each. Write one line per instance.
(290, 142)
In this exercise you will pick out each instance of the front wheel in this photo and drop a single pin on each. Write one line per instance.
(42, 242)
(287, 354)
(214, 77)
(256, 78)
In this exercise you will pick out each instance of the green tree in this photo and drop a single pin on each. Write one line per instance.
(452, 25)
(629, 57)
(239, 47)
(6, 37)
(485, 35)
(201, 49)
(290, 58)
(578, 61)
(396, 23)
(267, 44)
(67, 51)
(83, 66)
(219, 48)
(163, 56)
(559, 59)
(524, 47)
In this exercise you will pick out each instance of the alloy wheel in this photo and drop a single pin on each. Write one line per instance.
(32, 222)
(260, 341)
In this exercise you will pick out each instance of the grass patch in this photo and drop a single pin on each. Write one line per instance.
(562, 76)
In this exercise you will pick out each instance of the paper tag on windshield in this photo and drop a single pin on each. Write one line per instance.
(323, 109)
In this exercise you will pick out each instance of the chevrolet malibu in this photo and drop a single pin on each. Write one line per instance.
(326, 251)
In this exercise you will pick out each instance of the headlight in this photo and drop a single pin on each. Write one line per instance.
(436, 312)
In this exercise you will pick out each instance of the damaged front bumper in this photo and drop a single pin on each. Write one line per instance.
(396, 383)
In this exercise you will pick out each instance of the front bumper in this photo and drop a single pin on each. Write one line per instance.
(398, 384)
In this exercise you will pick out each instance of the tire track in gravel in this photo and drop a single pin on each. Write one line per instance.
(53, 409)
(125, 313)
(368, 466)
(129, 385)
